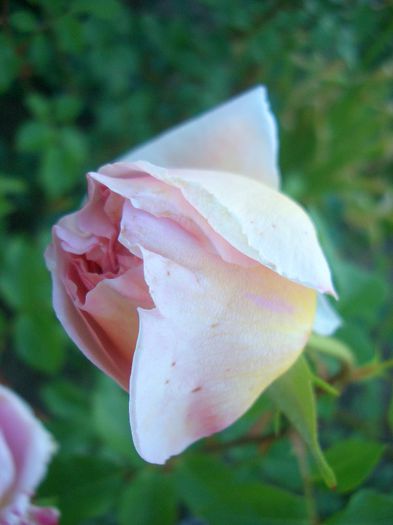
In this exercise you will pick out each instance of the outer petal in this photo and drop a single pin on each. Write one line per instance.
(30, 444)
(163, 200)
(80, 326)
(327, 320)
(219, 336)
(258, 221)
(43, 515)
(239, 136)
(7, 471)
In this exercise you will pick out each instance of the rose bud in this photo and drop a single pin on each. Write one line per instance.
(188, 277)
(25, 449)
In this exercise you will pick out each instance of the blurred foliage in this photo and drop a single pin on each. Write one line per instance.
(81, 82)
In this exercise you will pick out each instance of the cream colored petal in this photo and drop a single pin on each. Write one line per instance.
(258, 221)
(151, 195)
(220, 334)
(238, 136)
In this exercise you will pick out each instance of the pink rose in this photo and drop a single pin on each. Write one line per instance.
(25, 449)
(191, 281)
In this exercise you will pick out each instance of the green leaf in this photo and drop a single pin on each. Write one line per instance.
(24, 280)
(213, 492)
(23, 20)
(53, 173)
(359, 337)
(10, 184)
(74, 145)
(367, 507)
(67, 108)
(390, 414)
(40, 53)
(101, 9)
(70, 406)
(111, 419)
(362, 294)
(39, 106)
(150, 499)
(57, 171)
(294, 396)
(39, 341)
(25, 288)
(353, 461)
(65, 400)
(61, 159)
(69, 34)
(85, 486)
(34, 137)
(9, 62)
(280, 466)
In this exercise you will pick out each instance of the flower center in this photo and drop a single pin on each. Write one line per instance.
(104, 258)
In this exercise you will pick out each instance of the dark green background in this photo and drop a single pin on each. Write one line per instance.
(83, 81)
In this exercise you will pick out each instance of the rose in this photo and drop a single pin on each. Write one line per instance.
(25, 449)
(193, 283)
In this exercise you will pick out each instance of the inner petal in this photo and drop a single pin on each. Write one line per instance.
(167, 202)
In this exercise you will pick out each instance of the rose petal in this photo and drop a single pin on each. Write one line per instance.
(7, 470)
(258, 221)
(327, 320)
(30, 444)
(80, 327)
(219, 336)
(239, 136)
(43, 515)
(111, 307)
(162, 235)
(162, 200)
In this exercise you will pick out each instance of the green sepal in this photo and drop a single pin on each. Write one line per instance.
(293, 394)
